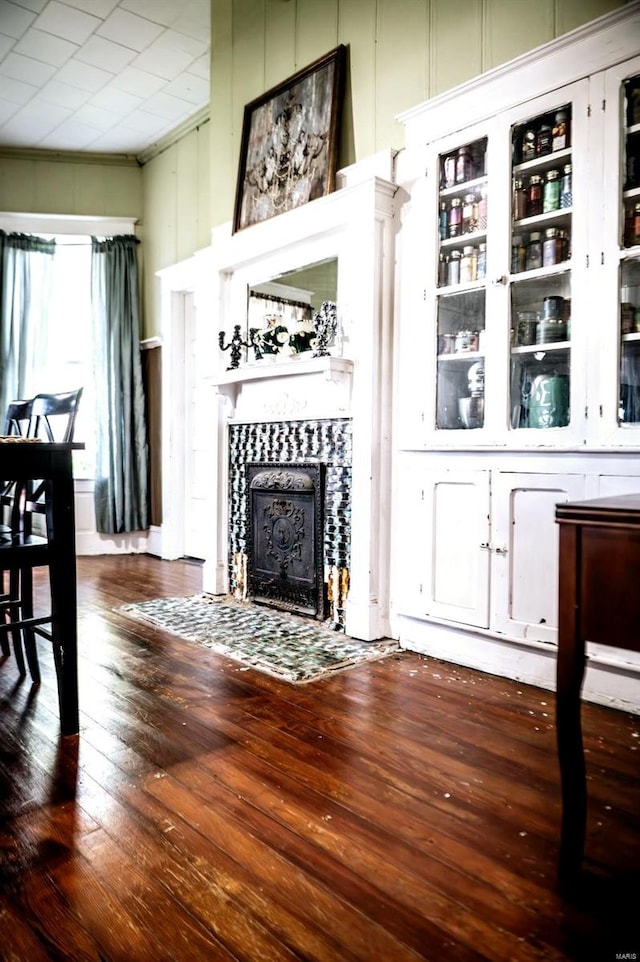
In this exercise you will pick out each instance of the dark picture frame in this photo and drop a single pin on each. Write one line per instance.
(289, 148)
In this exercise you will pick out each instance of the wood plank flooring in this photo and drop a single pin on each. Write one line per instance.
(403, 810)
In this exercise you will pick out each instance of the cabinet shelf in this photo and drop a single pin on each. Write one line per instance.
(463, 239)
(458, 190)
(547, 348)
(551, 271)
(555, 218)
(634, 336)
(546, 162)
(461, 356)
(633, 129)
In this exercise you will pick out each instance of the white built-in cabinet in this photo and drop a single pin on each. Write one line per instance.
(518, 338)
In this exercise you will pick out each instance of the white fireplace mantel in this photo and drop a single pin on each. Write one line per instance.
(354, 225)
(298, 387)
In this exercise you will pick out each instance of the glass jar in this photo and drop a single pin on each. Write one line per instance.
(464, 166)
(469, 214)
(482, 262)
(482, 209)
(519, 200)
(443, 221)
(636, 224)
(455, 218)
(453, 268)
(518, 254)
(533, 258)
(566, 187)
(560, 131)
(535, 201)
(468, 265)
(443, 264)
(528, 145)
(562, 251)
(550, 247)
(544, 141)
(449, 171)
(551, 193)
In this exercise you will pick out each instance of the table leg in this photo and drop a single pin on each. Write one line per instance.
(569, 678)
(62, 572)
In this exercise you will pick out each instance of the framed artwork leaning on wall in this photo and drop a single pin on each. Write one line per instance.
(289, 145)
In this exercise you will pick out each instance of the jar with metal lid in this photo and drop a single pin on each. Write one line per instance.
(519, 200)
(449, 171)
(481, 270)
(528, 145)
(550, 247)
(443, 263)
(468, 265)
(636, 224)
(518, 254)
(551, 194)
(469, 214)
(560, 131)
(562, 246)
(535, 202)
(443, 221)
(544, 141)
(464, 166)
(455, 218)
(566, 188)
(482, 209)
(534, 252)
(453, 268)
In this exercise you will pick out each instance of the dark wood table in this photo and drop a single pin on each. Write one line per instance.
(599, 601)
(53, 463)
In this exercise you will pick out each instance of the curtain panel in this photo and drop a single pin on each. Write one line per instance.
(26, 273)
(121, 480)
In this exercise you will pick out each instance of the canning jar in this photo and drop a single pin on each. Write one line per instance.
(566, 189)
(534, 206)
(469, 214)
(464, 166)
(551, 194)
(519, 200)
(453, 268)
(455, 217)
(550, 247)
(534, 252)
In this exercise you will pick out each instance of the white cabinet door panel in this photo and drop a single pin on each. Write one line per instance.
(457, 564)
(525, 552)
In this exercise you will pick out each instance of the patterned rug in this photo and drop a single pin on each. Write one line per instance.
(281, 645)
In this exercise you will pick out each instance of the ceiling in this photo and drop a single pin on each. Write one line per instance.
(103, 76)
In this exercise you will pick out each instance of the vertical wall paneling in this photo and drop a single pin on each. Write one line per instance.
(160, 231)
(279, 42)
(455, 43)
(222, 128)
(401, 65)
(316, 29)
(205, 213)
(573, 13)
(357, 30)
(514, 26)
(186, 196)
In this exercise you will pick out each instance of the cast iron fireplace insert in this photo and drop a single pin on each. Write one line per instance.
(285, 536)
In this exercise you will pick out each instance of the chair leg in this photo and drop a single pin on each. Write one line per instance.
(26, 596)
(13, 611)
(4, 641)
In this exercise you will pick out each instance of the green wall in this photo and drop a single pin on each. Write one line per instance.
(401, 52)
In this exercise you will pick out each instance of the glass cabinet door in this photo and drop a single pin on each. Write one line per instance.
(629, 272)
(540, 276)
(460, 299)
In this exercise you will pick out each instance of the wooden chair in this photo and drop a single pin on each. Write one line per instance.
(16, 424)
(52, 417)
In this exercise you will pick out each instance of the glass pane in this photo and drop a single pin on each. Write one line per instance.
(630, 342)
(462, 215)
(460, 373)
(541, 213)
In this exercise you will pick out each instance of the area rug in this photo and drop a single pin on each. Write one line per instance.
(281, 645)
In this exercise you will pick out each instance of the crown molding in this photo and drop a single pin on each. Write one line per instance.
(192, 123)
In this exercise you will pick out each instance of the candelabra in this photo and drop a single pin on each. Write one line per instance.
(235, 345)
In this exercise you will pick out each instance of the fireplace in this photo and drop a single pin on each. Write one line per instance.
(285, 536)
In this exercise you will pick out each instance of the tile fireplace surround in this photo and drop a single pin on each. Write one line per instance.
(327, 442)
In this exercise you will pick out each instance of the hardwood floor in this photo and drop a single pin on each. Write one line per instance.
(406, 809)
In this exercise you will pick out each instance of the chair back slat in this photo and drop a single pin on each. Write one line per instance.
(17, 420)
(53, 416)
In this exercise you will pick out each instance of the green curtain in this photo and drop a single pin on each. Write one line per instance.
(121, 481)
(26, 272)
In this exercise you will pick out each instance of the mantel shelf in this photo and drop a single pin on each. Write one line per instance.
(294, 366)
